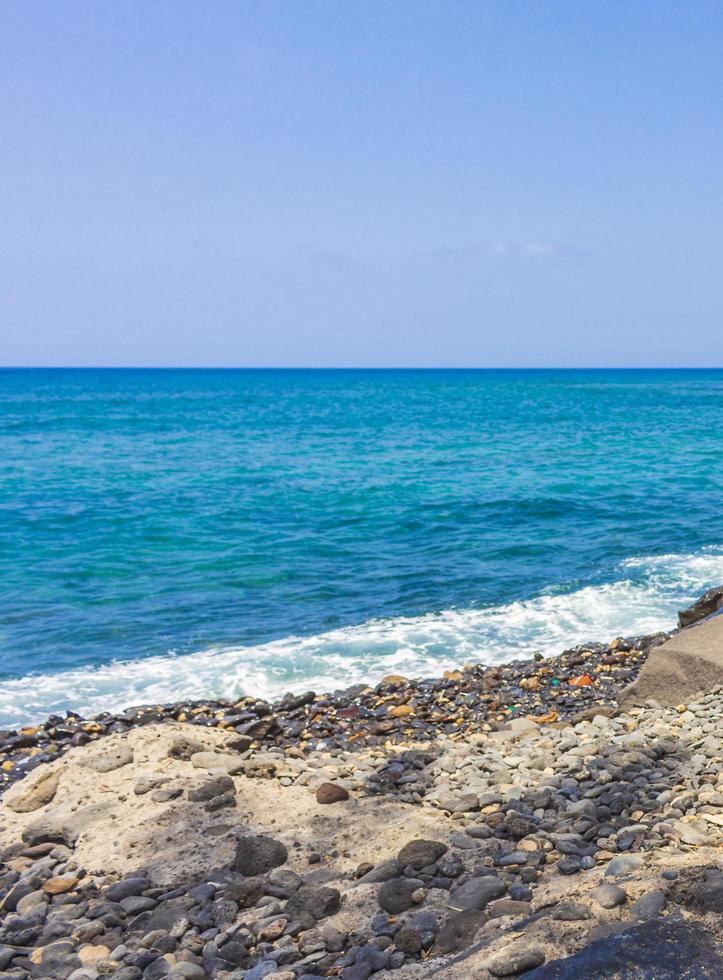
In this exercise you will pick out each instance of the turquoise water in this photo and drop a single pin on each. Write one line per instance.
(174, 533)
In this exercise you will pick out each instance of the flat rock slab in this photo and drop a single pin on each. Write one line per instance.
(688, 663)
(662, 949)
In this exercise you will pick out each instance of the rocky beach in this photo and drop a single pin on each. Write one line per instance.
(552, 818)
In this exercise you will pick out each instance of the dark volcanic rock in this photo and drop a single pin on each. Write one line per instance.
(702, 891)
(661, 949)
(257, 855)
(395, 896)
(710, 602)
(315, 900)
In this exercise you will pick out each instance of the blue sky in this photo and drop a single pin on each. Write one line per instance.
(361, 183)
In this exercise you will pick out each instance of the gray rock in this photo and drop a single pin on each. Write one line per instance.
(126, 887)
(460, 804)
(420, 854)
(475, 893)
(357, 971)
(609, 896)
(383, 872)
(513, 960)
(65, 829)
(623, 864)
(135, 904)
(7, 953)
(57, 960)
(395, 895)
(480, 831)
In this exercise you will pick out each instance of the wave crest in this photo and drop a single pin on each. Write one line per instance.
(644, 599)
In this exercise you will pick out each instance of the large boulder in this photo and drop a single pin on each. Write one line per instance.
(688, 663)
(664, 949)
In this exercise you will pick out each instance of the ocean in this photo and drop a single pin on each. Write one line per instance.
(190, 533)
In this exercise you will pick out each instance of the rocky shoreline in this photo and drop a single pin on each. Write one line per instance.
(499, 821)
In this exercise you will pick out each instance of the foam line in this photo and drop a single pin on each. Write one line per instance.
(644, 598)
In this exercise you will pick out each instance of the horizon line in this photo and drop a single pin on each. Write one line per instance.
(350, 367)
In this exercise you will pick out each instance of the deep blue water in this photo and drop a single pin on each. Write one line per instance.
(295, 527)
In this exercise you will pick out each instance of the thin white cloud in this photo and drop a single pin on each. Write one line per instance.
(532, 249)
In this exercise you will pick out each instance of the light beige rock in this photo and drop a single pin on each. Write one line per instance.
(34, 792)
(91, 954)
(217, 760)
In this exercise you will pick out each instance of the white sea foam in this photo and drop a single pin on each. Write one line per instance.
(645, 598)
